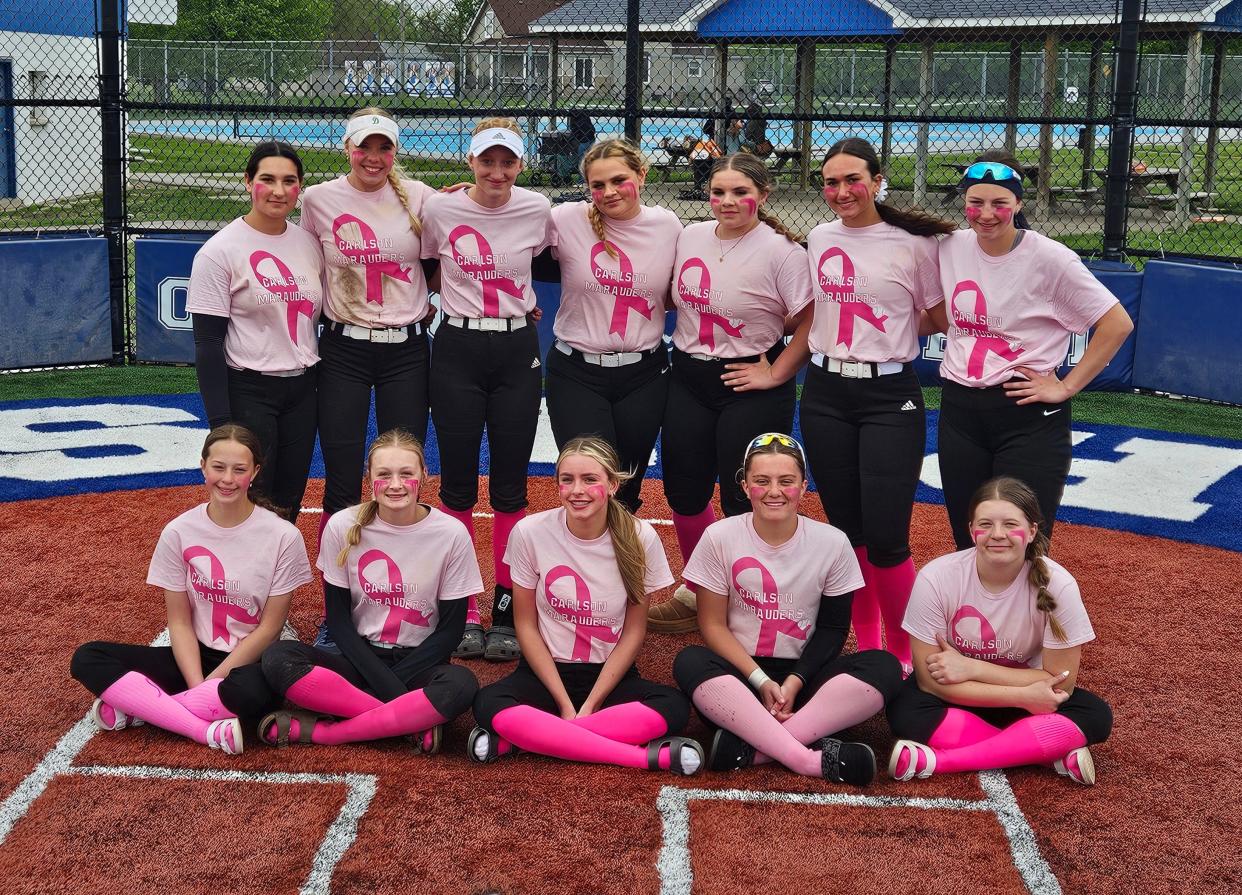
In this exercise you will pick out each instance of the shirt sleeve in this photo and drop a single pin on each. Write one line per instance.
(308, 219)
(706, 567)
(211, 287)
(659, 575)
(430, 245)
(924, 613)
(330, 544)
(793, 281)
(1072, 615)
(461, 576)
(844, 575)
(520, 555)
(292, 566)
(1079, 299)
(929, 292)
(549, 229)
(167, 568)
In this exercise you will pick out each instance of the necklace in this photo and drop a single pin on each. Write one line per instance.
(720, 245)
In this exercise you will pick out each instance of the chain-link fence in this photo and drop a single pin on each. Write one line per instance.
(1130, 131)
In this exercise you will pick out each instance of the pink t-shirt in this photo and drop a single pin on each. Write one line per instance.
(870, 284)
(579, 594)
(268, 287)
(736, 307)
(485, 253)
(1005, 628)
(613, 304)
(397, 575)
(374, 277)
(1018, 310)
(774, 592)
(228, 573)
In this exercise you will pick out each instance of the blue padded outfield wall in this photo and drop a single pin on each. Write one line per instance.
(54, 301)
(1180, 346)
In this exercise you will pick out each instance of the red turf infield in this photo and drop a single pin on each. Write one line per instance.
(1157, 822)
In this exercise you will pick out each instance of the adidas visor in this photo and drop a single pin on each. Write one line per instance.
(496, 136)
(358, 129)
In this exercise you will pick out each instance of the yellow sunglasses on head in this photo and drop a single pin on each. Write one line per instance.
(780, 438)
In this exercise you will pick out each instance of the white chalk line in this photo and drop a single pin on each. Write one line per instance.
(673, 803)
(59, 760)
(317, 510)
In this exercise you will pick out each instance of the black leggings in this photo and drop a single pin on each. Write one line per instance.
(100, 664)
(695, 665)
(622, 405)
(864, 441)
(915, 714)
(281, 411)
(491, 379)
(348, 370)
(523, 687)
(449, 688)
(985, 433)
(707, 426)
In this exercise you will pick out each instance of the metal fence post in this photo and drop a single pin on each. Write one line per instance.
(633, 58)
(1121, 129)
(111, 96)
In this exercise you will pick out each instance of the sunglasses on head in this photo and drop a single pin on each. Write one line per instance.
(780, 438)
(992, 170)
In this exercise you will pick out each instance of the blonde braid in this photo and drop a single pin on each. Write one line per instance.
(1039, 578)
(366, 515)
(395, 177)
(596, 217)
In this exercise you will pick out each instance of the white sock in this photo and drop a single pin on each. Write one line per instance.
(689, 760)
(481, 744)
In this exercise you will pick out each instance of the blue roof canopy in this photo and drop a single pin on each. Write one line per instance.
(825, 18)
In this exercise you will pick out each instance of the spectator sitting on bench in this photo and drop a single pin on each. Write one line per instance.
(701, 156)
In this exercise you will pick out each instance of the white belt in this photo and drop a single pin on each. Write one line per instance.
(857, 369)
(283, 374)
(610, 359)
(382, 645)
(392, 335)
(487, 324)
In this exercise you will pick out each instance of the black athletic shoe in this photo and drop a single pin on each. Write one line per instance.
(729, 752)
(842, 762)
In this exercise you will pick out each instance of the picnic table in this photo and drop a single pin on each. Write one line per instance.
(1140, 181)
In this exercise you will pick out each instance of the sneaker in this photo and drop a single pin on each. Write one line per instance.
(324, 641)
(679, 615)
(843, 762)
(288, 632)
(729, 752)
(1079, 766)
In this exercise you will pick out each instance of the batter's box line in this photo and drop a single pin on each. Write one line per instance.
(341, 832)
(673, 803)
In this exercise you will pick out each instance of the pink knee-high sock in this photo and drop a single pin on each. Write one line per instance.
(690, 529)
(865, 612)
(841, 702)
(536, 731)
(204, 702)
(472, 610)
(323, 690)
(502, 524)
(140, 697)
(465, 517)
(731, 704)
(892, 591)
(323, 523)
(1039, 739)
(629, 722)
(961, 728)
(409, 713)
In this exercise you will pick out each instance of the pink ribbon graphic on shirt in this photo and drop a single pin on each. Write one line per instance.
(390, 595)
(701, 298)
(479, 270)
(368, 255)
(766, 606)
(214, 591)
(621, 284)
(987, 647)
(843, 292)
(586, 628)
(286, 287)
(977, 326)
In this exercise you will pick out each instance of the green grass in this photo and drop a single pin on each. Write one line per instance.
(98, 382)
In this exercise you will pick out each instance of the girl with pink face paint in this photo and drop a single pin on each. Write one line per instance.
(582, 575)
(255, 296)
(396, 574)
(997, 631)
(774, 592)
(228, 569)
(1013, 299)
(874, 273)
(607, 374)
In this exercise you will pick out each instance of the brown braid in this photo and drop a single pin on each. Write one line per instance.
(596, 217)
(1039, 577)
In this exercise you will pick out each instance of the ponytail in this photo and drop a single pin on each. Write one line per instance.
(776, 224)
(629, 550)
(914, 221)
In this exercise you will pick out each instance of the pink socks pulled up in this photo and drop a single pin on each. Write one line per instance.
(502, 524)
(610, 736)
(841, 702)
(204, 702)
(865, 611)
(690, 530)
(466, 518)
(731, 704)
(1037, 740)
(892, 587)
(366, 718)
(140, 697)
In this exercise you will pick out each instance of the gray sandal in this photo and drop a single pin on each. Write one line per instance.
(471, 646)
(674, 746)
(501, 644)
(283, 721)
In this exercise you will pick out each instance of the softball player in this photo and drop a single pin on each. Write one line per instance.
(255, 295)
(397, 575)
(581, 574)
(607, 374)
(485, 367)
(228, 568)
(997, 631)
(774, 591)
(1013, 298)
(874, 272)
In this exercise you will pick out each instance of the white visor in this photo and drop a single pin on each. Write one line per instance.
(496, 136)
(358, 129)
